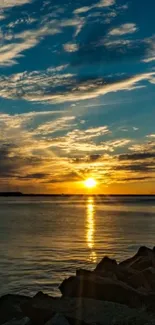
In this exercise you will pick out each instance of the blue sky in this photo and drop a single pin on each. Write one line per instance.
(77, 95)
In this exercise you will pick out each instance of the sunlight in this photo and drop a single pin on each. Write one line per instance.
(90, 183)
(90, 228)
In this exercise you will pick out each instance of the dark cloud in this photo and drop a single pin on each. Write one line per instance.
(11, 163)
(92, 52)
(86, 159)
(137, 156)
(135, 179)
(140, 168)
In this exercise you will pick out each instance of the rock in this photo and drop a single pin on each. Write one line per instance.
(145, 257)
(139, 281)
(82, 272)
(10, 307)
(84, 311)
(58, 319)
(149, 274)
(106, 264)
(38, 309)
(142, 263)
(102, 289)
(22, 321)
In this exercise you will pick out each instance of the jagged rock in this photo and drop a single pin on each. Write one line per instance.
(106, 264)
(102, 289)
(10, 307)
(144, 258)
(83, 272)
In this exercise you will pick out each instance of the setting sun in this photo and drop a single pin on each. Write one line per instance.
(90, 183)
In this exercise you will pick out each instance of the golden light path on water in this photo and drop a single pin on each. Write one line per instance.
(91, 228)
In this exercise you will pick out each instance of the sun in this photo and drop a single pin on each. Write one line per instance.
(90, 183)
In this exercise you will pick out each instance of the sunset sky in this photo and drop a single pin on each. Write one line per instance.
(77, 96)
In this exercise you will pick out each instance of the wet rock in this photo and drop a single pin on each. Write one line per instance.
(102, 289)
(10, 307)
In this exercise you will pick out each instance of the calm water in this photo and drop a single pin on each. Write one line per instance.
(44, 240)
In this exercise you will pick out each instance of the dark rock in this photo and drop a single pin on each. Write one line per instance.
(145, 257)
(149, 275)
(102, 289)
(139, 281)
(82, 272)
(58, 319)
(22, 321)
(38, 309)
(106, 264)
(10, 307)
(66, 287)
(142, 263)
(83, 311)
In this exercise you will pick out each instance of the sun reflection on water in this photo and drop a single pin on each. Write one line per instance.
(91, 229)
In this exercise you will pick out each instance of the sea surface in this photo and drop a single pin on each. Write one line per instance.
(45, 239)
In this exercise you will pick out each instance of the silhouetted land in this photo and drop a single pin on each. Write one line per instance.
(67, 195)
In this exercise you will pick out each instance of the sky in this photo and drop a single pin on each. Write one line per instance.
(77, 96)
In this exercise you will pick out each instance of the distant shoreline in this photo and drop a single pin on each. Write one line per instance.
(20, 194)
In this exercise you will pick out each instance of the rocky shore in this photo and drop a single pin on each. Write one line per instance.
(112, 294)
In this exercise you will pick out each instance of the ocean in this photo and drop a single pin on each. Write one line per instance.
(43, 240)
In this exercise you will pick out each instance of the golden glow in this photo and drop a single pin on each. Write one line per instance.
(90, 228)
(90, 183)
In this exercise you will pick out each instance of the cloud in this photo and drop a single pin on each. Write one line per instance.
(70, 47)
(12, 3)
(105, 3)
(82, 10)
(127, 28)
(42, 148)
(23, 41)
(149, 56)
(100, 4)
(48, 86)
(2, 16)
(137, 156)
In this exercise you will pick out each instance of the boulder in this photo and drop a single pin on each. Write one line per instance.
(139, 281)
(38, 309)
(58, 319)
(149, 274)
(83, 272)
(82, 311)
(101, 288)
(106, 264)
(145, 257)
(10, 307)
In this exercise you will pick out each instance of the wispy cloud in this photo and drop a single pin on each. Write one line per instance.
(44, 86)
(100, 4)
(127, 28)
(13, 3)
(9, 53)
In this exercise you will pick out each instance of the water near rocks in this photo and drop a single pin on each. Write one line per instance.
(45, 239)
